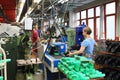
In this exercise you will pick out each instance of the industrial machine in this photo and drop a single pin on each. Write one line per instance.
(79, 36)
(52, 57)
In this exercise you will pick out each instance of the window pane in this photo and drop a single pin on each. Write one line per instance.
(110, 27)
(90, 12)
(77, 23)
(83, 21)
(78, 16)
(90, 24)
(98, 28)
(98, 11)
(83, 14)
(110, 8)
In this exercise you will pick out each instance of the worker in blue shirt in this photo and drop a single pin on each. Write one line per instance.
(39, 31)
(87, 45)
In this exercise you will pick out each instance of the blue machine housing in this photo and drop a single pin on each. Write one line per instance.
(79, 36)
(60, 46)
(50, 60)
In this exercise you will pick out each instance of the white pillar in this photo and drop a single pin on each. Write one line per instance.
(72, 19)
(118, 21)
(102, 32)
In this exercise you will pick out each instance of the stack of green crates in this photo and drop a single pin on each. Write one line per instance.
(1, 77)
(79, 68)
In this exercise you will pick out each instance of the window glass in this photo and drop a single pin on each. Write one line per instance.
(77, 23)
(110, 27)
(110, 8)
(90, 12)
(83, 21)
(78, 16)
(90, 24)
(98, 11)
(83, 14)
(98, 28)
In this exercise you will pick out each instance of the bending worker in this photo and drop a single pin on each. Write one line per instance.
(87, 45)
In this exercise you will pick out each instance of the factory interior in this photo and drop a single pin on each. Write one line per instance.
(59, 39)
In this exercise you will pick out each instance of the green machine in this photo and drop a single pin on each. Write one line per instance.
(11, 52)
(15, 48)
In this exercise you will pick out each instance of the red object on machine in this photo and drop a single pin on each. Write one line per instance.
(9, 10)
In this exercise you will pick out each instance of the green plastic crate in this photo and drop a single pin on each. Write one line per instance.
(1, 77)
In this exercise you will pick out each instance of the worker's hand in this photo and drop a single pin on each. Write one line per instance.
(70, 54)
(44, 41)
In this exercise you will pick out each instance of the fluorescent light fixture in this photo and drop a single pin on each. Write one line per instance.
(62, 1)
(23, 19)
(37, 1)
(30, 10)
(59, 1)
(22, 2)
(50, 7)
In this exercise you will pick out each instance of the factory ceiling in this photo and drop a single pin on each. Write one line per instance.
(51, 8)
(15, 10)
(57, 7)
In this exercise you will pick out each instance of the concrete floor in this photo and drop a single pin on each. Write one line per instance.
(36, 76)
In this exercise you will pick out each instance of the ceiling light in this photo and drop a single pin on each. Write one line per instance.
(20, 10)
(30, 10)
(22, 1)
(62, 1)
(23, 19)
(37, 1)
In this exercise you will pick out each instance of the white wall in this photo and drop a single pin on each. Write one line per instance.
(72, 19)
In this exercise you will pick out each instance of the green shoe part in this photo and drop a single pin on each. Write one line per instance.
(7, 60)
(56, 53)
(1, 77)
(79, 68)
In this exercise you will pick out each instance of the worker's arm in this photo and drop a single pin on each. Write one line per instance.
(80, 51)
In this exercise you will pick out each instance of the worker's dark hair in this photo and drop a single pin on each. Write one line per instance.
(49, 29)
(39, 27)
(34, 24)
(88, 30)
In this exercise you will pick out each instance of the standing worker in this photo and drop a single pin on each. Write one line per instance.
(35, 39)
(87, 45)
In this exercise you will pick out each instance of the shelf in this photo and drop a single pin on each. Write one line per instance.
(23, 62)
(114, 68)
(103, 52)
(109, 64)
